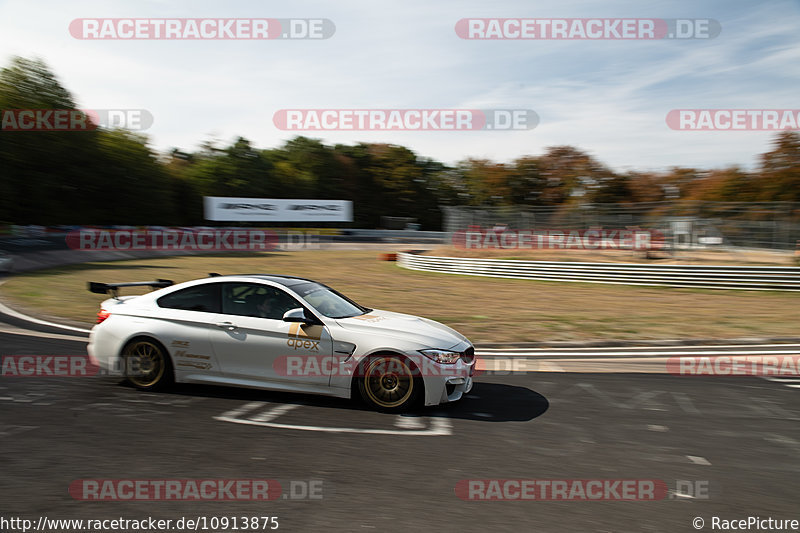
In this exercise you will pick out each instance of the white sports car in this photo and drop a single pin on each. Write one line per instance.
(278, 332)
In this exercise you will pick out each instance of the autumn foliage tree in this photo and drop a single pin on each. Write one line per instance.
(113, 176)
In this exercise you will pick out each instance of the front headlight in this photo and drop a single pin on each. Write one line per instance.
(445, 357)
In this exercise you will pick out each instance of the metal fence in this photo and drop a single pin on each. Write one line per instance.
(743, 224)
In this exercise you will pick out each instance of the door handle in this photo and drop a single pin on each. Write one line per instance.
(230, 326)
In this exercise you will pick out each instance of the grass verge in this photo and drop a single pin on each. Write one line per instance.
(484, 309)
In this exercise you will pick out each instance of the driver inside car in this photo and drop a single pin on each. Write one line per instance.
(264, 306)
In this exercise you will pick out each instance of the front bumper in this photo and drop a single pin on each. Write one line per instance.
(455, 380)
(446, 391)
(449, 386)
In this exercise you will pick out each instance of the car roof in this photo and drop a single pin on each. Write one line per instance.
(286, 281)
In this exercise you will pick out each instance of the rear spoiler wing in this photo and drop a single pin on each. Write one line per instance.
(113, 288)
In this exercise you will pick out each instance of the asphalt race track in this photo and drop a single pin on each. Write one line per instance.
(724, 446)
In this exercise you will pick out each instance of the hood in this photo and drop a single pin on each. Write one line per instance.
(407, 327)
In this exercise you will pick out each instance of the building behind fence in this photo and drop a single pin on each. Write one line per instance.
(742, 224)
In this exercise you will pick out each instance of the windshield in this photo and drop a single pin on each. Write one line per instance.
(327, 301)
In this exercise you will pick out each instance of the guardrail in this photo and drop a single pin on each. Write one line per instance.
(686, 276)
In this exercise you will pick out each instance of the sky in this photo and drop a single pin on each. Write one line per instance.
(609, 98)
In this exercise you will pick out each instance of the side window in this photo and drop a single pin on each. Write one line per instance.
(203, 298)
(252, 299)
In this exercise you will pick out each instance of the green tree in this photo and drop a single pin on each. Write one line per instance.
(43, 173)
(239, 170)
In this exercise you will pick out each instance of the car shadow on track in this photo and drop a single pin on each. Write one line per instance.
(487, 402)
(493, 402)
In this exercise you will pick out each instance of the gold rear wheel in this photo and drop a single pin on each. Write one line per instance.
(147, 365)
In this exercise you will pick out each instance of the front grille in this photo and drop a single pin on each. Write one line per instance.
(468, 356)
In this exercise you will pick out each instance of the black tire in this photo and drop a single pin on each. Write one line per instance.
(147, 364)
(389, 383)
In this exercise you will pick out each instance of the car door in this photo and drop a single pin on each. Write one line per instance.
(254, 343)
(186, 320)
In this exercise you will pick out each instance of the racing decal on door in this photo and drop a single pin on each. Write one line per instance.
(189, 360)
(186, 360)
(304, 336)
(184, 353)
(190, 364)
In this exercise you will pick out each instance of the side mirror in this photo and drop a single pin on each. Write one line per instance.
(297, 315)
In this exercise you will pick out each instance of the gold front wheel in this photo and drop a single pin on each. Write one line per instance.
(389, 383)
